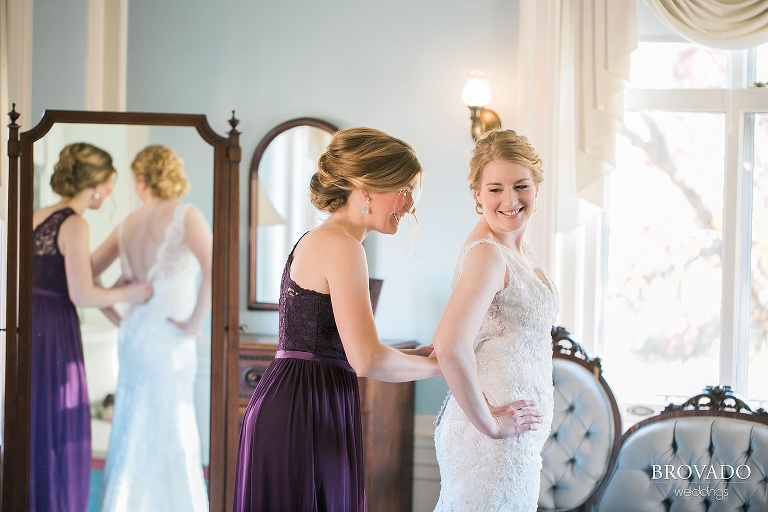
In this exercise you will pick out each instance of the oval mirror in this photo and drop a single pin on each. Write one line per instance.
(280, 210)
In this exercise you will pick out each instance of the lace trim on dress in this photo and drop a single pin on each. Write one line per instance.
(442, 408)
(173, 237)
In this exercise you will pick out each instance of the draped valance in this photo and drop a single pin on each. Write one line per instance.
(728, 24)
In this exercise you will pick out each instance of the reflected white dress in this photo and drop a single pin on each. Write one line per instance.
(514, 362)
(154, 460)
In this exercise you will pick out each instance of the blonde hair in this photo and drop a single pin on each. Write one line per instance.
(365, 159)
(504, 145)
(81, 166)
(161, 170)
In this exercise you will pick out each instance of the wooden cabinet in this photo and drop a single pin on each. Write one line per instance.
(387, 415)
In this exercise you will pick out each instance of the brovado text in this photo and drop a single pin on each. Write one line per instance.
(701, 472)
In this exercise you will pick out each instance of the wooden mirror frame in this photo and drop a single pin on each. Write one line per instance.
(14, 484)
(253, 302)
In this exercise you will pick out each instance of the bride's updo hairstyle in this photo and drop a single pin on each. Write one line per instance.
(81, 166)
(365, 159)
(162, 171)
(504, 145)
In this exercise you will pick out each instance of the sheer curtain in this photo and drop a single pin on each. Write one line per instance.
(729, 24)
(575, 55)
(15, 77)
(15, 87)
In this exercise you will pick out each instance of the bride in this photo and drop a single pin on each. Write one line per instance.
(154, 460)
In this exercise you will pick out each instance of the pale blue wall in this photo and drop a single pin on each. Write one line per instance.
(398, 66)
(58, 60)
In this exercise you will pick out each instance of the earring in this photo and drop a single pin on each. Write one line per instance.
(365, 208)
(96, 196)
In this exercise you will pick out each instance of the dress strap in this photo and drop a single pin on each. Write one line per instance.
(472, 245)
(290, 256)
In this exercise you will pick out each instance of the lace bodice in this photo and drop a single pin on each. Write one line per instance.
(517, 324)
(306, 319)
(47, 262)
(514, 362)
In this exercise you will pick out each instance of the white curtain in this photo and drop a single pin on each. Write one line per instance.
(729, 24)
(15, 80)
(575, 56)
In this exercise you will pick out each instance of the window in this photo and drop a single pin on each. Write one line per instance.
(686, 296)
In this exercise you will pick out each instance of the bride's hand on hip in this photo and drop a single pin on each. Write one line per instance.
(515, 417)
(186, 327)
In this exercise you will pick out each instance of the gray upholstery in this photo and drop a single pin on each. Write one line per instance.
(585, 433)
(652, 470)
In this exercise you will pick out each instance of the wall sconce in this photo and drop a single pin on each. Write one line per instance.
(476, 95)
(266, 215)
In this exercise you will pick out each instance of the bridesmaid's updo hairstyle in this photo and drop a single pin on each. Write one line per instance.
(365, 159)
(81, 166)
(504, 145)
(162, 171)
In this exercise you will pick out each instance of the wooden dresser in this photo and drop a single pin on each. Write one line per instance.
(387, 411)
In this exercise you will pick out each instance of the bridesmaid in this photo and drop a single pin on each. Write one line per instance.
(301, 440)
(60, 444)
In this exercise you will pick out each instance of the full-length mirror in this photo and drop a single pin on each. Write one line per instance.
(280, 211)
(152, 382)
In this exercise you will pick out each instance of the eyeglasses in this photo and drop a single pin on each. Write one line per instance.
(410, 196)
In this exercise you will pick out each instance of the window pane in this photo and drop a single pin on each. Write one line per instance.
(761, 64)
(758, 310)
(664, 254)
(678, 66)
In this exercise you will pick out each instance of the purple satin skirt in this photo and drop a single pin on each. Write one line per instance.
(60, 437)
(301, 439)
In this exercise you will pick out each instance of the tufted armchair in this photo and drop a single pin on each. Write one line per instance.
(708, 454)
(586, 429)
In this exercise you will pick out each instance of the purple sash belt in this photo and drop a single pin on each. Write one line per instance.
(47, 293)
(309, 356)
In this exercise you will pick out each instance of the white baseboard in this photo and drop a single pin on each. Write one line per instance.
(426, 474)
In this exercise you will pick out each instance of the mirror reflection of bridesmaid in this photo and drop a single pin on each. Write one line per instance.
(60, 441)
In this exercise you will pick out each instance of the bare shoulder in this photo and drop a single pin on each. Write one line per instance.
(74, 224)
(328, 259)
(484, 268)
(483, 253)
(194, 217)
(326, 242)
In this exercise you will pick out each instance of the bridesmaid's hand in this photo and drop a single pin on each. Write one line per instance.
(515, 417)
(139, 292)
(424, 351)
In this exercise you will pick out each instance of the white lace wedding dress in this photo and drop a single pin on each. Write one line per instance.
(154, 460)
(514, 362)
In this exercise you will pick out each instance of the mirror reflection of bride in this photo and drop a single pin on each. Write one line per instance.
(154, 445)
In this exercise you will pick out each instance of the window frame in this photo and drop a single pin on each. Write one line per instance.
(736, 103)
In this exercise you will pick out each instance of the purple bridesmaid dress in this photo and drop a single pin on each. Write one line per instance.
(301, 438)
(60, 445)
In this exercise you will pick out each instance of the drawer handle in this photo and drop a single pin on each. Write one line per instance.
(252, 378)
